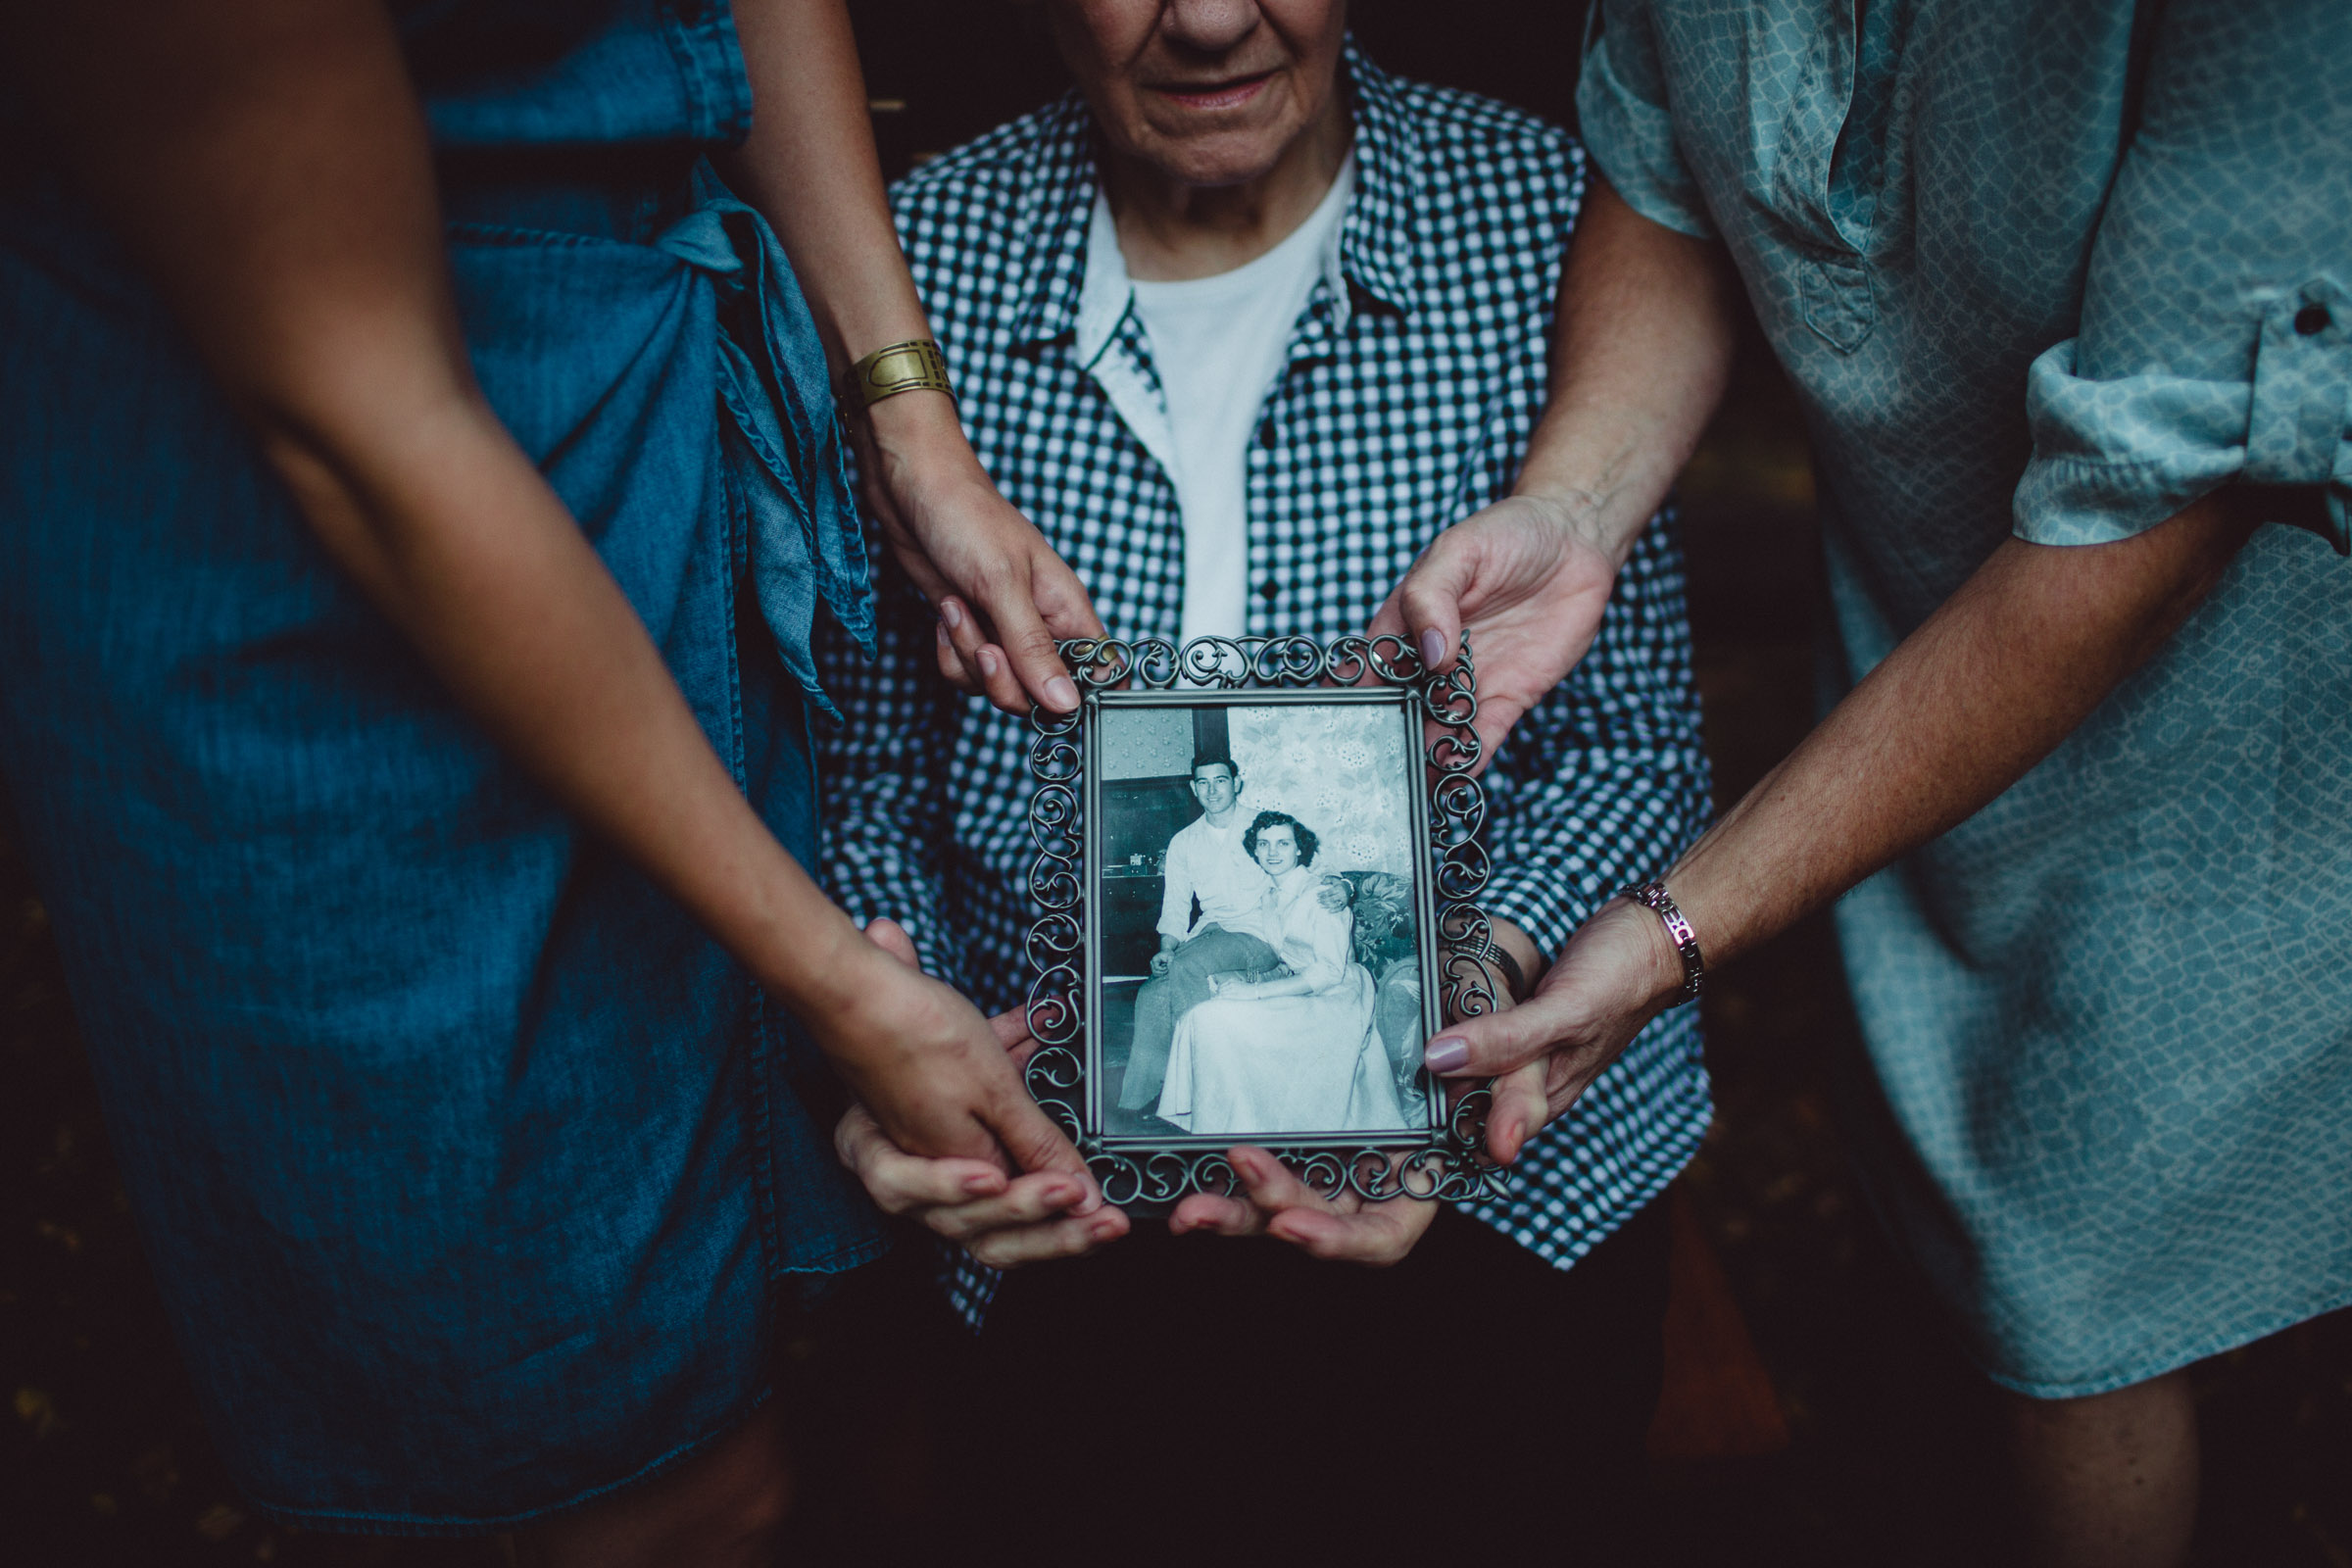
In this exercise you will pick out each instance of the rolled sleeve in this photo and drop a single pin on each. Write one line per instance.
(1176, 881)
(1626, 122)
(883, 781)
(2215, 340)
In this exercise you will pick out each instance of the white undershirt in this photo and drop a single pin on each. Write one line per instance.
(1218, 343)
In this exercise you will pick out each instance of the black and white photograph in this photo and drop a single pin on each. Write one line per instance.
(1257, 876)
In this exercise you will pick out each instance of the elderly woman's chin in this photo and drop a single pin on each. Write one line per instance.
(1211, 163)
(1210, 149)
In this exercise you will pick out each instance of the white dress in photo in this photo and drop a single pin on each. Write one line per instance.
(1287, 1065)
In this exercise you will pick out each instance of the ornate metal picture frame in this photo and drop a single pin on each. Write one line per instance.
(1149, 1171)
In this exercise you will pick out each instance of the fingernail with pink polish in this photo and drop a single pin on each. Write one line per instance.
(1433, 648)
(1449, 1054)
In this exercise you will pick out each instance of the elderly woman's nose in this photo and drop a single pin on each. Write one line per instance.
(1211, 27)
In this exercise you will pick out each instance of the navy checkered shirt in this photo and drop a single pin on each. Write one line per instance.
(1415, 374)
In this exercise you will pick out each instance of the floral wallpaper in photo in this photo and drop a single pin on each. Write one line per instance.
(1339, 769)
(1146, 742)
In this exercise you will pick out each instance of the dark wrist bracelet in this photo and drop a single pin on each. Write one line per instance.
(1490, 954)
(1514, 978)
(1653, 897)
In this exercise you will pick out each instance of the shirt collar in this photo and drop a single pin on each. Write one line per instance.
(1375, 256)
(1376, 239)
(1292, 885)
(1107, 294)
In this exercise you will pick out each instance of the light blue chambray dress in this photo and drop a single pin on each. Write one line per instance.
(470, 1167)
(2058, 270)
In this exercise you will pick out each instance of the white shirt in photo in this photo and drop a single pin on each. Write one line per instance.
(1209, 863)
(1218, 344)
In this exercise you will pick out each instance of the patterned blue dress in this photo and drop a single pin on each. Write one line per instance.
(2057, 271)
(469, 1166)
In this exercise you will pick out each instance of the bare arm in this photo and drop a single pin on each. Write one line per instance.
(267, 161)
(2000, 674)
(1289, 985)
(1640, 352)
(1640, 355)
(809, 167)
(1959, 712)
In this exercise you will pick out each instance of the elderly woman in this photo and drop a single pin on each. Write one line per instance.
(2068, 296)
(1292, 1049)
(1226, 325)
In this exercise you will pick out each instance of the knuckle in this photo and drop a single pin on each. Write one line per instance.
(997, 575)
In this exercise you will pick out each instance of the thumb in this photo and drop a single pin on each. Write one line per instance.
(1035, 1144)
(1498, 1043)
(892, 938)
(1519, 1111)
(1430, 598)
(1270, 1184)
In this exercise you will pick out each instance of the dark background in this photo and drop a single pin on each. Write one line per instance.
(104, 1462)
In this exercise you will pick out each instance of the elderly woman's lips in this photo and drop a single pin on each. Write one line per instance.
(1216, 94)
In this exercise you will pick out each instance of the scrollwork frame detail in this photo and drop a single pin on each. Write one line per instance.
(1150, 1176)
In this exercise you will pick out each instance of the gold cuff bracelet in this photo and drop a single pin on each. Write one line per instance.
(916, 366)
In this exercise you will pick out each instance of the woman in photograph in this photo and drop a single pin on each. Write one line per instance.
(1293, 1050)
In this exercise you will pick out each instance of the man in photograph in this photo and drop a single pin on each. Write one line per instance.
(1207, 865)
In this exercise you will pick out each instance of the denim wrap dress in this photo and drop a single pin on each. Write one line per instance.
(2055, 272)
(472, 1170)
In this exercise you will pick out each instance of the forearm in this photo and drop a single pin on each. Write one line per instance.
(809, 167)
(267, 161)
(1289, 985)
(1959, 712)
(1641, 351)
(458, 540)
(1955, 715)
